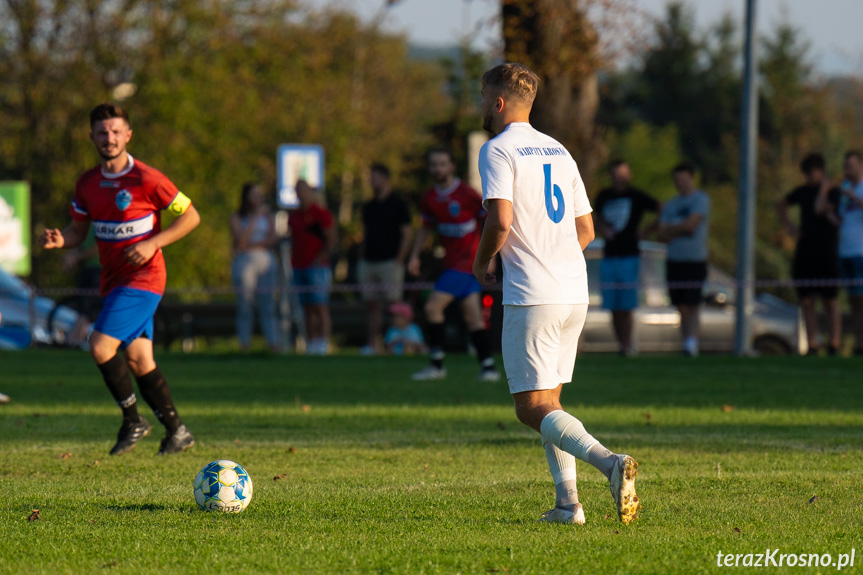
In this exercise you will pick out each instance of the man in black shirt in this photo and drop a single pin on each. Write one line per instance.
(816, 259)
(618, 212)
(385, 247)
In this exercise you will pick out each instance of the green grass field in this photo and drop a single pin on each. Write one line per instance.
(384, 475)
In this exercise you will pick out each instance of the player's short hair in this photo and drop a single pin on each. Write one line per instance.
(107, 111)
(682, 167)
(616, 163)
(854, 154)
(811, 162)
(381, 169)
(514, 80)
(440, 150)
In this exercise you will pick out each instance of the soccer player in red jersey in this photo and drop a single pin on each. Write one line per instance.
(455, 210)
(122, 198)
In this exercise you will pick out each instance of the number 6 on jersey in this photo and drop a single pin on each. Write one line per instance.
(555, 213)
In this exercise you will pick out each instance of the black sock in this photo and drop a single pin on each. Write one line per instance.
(482, 344)
(435, 332)
(157, 394)
(115, 372)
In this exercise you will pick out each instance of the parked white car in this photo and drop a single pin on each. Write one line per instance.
(29, 319)
(776, 324)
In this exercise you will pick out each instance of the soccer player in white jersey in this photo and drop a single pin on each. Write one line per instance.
(539, 220)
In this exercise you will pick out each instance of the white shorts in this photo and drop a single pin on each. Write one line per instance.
(539, 344)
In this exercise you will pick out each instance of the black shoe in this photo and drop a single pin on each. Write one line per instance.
(130, 434)
(180, 441)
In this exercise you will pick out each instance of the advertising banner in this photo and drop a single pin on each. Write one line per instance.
(15, 227)
(298, 162)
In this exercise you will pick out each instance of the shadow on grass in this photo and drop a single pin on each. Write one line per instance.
(229, 381)
(397, 428)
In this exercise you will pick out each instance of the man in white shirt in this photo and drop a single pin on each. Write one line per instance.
(539, 219)
(851, 240)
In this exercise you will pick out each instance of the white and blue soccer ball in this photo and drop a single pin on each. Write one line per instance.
(224, 486)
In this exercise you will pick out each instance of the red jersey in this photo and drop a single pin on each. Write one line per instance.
(124, 209)
(457, 213)
(308, 227)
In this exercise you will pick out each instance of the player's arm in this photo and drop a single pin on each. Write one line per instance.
(584, 230)
(141, 252)
(494, 234)
(69, 237)
(414, 263)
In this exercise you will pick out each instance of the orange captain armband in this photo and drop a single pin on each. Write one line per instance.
(180, 204)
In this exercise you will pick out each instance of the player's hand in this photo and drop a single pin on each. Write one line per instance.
(140, 253)
(52, 239)
(414, 266)
(482, 272)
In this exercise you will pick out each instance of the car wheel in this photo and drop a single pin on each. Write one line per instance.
(771, 345)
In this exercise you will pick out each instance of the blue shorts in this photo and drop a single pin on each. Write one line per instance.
(314, 284)
(457, 284)
(619, 278)
(852, 269)
(127, 314)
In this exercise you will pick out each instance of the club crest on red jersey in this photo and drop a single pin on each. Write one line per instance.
(123, 199)
(454, 208)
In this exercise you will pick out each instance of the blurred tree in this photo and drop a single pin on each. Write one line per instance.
(651, 152)
(559, 40)
(693, 81)
(217, 86)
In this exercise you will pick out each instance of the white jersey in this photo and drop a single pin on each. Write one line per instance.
(542, 259)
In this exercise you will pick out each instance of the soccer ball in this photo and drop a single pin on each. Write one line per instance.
(223, 486)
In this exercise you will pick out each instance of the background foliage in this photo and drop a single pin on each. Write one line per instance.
(219, 85)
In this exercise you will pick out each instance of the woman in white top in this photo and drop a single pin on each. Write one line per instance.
(254, 266)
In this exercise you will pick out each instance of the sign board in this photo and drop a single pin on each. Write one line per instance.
(15, 227)
(298, 162)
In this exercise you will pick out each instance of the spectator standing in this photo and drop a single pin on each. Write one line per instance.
(385, 247)
(619, 211)
(314, 238)
(851, 240)
(816, 257)
(683, 224)
(253, 269)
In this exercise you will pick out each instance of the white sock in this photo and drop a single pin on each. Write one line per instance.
(690, 344)
(562, 467)
(568, 433)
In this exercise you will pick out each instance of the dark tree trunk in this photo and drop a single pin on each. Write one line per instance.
(556, 39)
